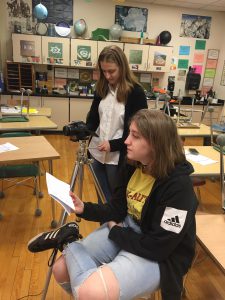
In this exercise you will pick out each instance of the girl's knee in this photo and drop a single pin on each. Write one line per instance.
(100, 285)
(60, 270)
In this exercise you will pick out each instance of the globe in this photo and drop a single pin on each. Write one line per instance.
(80, 27)
(165, 37)
(115, 31)
(40, 11)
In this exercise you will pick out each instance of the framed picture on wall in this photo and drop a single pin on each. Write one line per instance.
(131, 18)
(195, 26)
(213, 54)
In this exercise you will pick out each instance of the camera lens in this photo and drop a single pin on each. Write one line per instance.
(66, 130)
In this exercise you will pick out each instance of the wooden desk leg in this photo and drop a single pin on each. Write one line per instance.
(54, 222)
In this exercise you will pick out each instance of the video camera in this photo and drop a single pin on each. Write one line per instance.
(78, 130)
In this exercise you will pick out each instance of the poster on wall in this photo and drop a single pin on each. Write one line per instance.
(135, 57)
(159, 59)
(55, 53)
(19, 16)
(195, 26)
(210, 70)
(131, 18)
(213, 54)
(184, 50)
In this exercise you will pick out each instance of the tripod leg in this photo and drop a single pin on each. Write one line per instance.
(80, 185)
(62, 221)
(97, 185)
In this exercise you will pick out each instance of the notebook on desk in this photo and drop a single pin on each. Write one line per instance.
(12, 114)
(8, 119)
(187, 125)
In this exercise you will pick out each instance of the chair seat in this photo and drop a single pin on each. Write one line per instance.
(13, 171)
(197, 181)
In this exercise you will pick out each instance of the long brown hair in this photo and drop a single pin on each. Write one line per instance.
(114, 54)
(161, 133)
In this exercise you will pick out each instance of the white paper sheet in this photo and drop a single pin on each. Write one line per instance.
(59, 191)
(7, 147)
(200, 159)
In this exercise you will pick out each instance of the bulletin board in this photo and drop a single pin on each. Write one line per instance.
(222, 82)
(210, 70)
(58, 10)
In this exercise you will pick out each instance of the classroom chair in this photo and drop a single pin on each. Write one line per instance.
(18, 174)
(197, 183)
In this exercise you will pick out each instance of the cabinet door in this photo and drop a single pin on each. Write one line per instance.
(102, 45)
(159, 59)
(60, 110)
(26, 48)
(56, 51)
(35, 101)
(83, 53)
(79, 109)
(137, 56)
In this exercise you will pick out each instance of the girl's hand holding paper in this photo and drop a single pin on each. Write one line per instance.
(78, 204)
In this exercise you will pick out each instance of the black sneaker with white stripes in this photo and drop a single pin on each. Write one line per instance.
(55, 239)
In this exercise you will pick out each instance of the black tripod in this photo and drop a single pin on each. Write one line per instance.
(78, 174)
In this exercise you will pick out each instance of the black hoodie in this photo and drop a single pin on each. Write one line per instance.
(169, 241)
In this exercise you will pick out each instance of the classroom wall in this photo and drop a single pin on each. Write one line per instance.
(220, 89)
(101, 14)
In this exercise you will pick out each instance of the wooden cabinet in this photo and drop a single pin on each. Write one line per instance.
(26, 48)
(159, 59)
(60, 110)
(79, 109)
(137, 56)
(84, 53)
(55, 51)
(19, 75)
(148, 58)
(35, 101)
(102, 45)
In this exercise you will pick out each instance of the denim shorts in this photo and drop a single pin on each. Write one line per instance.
(136, 275)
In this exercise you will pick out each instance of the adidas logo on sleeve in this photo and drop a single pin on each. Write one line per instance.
(173, 219)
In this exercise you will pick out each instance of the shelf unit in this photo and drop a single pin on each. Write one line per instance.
(19, 76)
(13, 76)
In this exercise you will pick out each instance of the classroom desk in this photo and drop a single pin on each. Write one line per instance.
(209, 170)
(203, 131)
(34, 123)
(31, 148)
(211, 236)
(41, 111)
